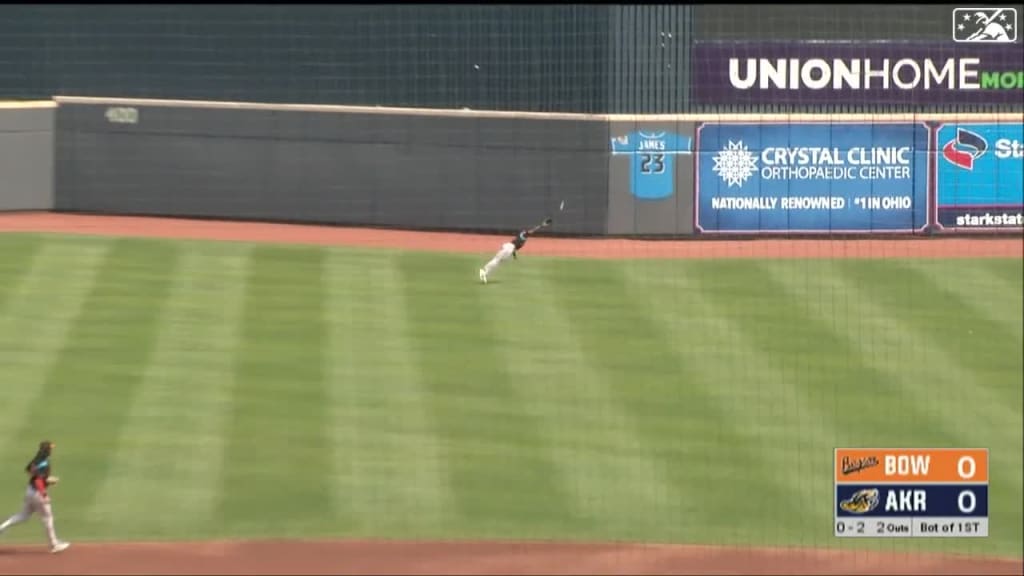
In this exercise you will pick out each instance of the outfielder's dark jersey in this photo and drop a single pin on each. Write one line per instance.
(520, 240)
(39, 470)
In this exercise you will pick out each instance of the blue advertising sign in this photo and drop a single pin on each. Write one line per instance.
(816, 177)
(652, 175)
(979, 180)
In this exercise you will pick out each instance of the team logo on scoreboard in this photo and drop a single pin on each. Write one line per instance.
(861, 502)
(985, 25)
(854, 465)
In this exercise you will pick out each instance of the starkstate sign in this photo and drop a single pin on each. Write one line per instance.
(979, 178)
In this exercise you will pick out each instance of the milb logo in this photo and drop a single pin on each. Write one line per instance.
(977, 25)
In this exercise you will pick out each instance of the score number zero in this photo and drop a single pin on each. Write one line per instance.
(966, 501)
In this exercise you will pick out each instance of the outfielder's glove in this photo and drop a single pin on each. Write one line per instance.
(547, 221)
(52, 480)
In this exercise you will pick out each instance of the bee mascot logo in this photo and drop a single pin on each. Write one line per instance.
(862, 501)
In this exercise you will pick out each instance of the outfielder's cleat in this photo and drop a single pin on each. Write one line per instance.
(60, 547)
(483, 276)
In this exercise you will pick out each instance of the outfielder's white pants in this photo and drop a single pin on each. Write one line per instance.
(504, 254)
(34, 504)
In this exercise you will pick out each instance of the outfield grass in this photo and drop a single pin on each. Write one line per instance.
(200, 390)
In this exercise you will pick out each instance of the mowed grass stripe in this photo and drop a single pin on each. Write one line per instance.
(807, 336)
(814, 332)
(920, 398)
(987, 293)
(881, 311)
(42, 307)
(344, 429)
(499, 469)
(1011, 270)
(273, 481)
(388, 470)
(85, 400)
(172, 444)
(17, 253)
(944, 340)
(784, 437)
(661, 395)
(932, 309)
(920, 320)
(797, 314)
(615, 487)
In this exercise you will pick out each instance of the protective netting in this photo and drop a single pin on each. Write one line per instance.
(372, 383)
(492, 57)
(583, 59)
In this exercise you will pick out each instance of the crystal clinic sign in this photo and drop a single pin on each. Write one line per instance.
(844, 73)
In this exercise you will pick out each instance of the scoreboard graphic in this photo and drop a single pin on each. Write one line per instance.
(911, 492)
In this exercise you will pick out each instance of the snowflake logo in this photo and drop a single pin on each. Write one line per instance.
(735, 164)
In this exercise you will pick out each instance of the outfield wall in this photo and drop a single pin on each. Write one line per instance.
(622, 175)
(337, 166)
(26, 156)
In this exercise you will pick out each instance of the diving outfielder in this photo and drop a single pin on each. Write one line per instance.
(37, 499)
(510, 249)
